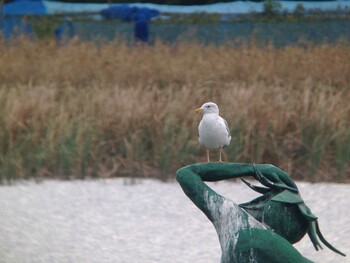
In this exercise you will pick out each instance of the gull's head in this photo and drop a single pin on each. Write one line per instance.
(208, 107)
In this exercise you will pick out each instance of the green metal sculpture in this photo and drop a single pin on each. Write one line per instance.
(262, 230)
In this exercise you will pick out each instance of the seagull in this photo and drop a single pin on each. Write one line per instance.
(213, 131)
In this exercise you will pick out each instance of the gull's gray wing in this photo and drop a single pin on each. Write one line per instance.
(227, 128)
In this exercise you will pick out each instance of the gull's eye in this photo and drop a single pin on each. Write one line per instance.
(208, 106)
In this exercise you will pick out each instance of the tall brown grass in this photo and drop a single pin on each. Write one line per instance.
(83, 110)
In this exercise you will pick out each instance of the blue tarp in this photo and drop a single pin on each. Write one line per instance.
(65, 32)
(141, 32)
(139, 15)
(25, 7)
(127, 13)
(12, 24)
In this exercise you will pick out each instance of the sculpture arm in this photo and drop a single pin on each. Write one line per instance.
(192, 177)
(212, 172)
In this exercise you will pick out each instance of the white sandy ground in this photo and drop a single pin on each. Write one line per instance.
(108, 220)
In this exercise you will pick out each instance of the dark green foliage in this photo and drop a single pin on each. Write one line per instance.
(44, 26)
(272, 7)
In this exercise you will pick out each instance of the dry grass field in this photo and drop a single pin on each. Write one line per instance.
(83, 110)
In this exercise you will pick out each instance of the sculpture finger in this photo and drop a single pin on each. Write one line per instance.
(259, 189)
(324, 241)
(262, 179)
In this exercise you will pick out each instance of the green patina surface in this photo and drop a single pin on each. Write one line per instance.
(261, 230)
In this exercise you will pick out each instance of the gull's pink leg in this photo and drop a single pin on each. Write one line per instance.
(208, 158)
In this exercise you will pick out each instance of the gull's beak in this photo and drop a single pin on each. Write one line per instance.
(198, 110)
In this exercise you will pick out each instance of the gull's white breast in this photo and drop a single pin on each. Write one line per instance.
(213, 132)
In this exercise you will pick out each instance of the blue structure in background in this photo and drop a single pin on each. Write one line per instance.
(141, 31)
(15, 26)
(64, 32)
(140, 16)
(12, 22)
(128, 14)
(25, 7)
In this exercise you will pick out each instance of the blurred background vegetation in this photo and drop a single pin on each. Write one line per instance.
(86, 110)
(99, 105)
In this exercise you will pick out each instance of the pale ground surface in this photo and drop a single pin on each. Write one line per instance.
(111, 221)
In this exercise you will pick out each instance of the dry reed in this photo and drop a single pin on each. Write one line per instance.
(111, 110)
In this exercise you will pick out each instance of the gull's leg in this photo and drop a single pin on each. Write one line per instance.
(207, 151)
(220, 160)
